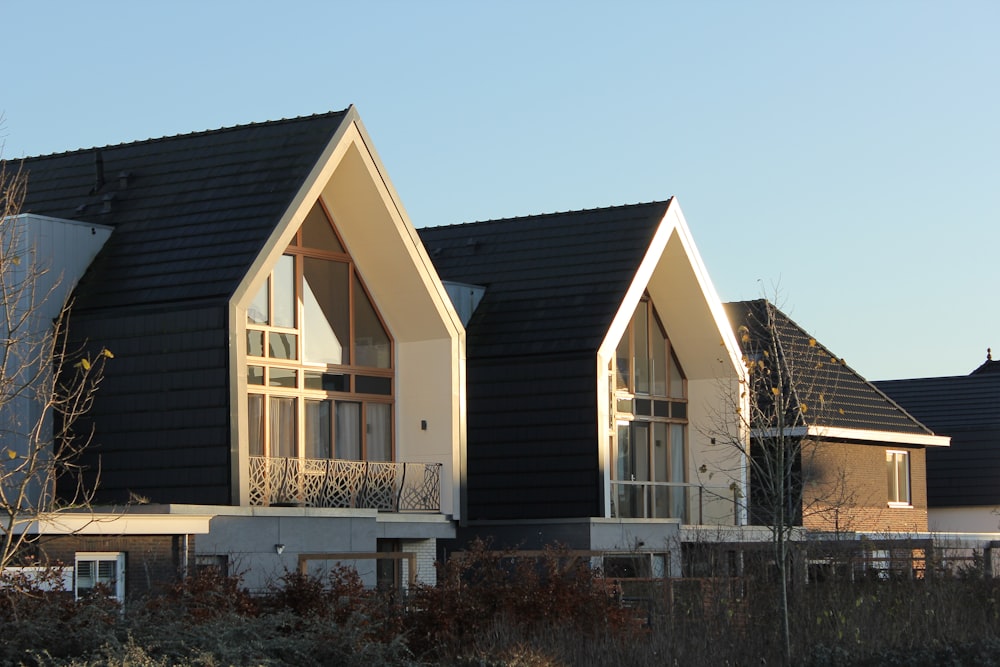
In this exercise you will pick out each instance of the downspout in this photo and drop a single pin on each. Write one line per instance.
(185, 545)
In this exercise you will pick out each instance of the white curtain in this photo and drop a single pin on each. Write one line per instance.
(318, 445)
(282, 426)
(379, 431)
(348, 431)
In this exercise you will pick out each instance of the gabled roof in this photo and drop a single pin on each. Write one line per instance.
(855, 408)
(190, 212)
(967, 408)
(553, 282)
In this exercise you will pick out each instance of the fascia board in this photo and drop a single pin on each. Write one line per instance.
(296, 211)
(673, 221)
(871, 435)
(101, 523)
(858, 434)
(707, 287)
(415, 247)
(635, 290)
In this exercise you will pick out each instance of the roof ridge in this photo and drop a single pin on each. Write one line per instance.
(179, 135)
(550, 214)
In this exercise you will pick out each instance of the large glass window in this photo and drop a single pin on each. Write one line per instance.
(319, 358)
(650, 440)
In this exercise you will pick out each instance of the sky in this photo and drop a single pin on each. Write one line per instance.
(840, 158)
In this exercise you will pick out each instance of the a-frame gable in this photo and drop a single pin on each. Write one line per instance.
(674, 275)
(677, 284)
(350, 183)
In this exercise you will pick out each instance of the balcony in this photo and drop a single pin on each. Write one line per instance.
(384, 486)
(657, 500)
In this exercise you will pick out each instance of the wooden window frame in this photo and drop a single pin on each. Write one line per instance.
(301, 367)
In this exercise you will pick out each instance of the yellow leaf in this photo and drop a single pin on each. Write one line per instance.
(11, 454)
(107, 353)
(775, 391)
(84, 364)
(840, 410)
(812, 342)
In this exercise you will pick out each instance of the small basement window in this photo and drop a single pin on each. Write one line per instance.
(100, 571)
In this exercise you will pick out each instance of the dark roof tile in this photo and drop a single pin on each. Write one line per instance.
(850, 400)
(193, 211)
(553, 282)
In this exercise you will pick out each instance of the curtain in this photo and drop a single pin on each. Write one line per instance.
(318, 444)
(255, 414)
(378, 428)
(348, 431)
(282, 429)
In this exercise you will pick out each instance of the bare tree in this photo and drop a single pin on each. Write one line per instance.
(45, 387)
(786, 396)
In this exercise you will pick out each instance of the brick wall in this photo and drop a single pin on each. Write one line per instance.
(152, 562)
(426, 553)
(845, 488)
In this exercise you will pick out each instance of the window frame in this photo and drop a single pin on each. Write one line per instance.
(97, 557)
(262, 371)
(894, 458)
(625, 415)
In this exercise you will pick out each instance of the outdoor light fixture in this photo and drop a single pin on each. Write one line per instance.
(279, 549)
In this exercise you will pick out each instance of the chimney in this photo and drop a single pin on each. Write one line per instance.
(98, 171)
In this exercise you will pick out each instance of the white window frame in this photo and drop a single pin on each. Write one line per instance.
(896, 456)
(117, 583)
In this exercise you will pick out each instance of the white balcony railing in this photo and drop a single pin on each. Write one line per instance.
(386, 486)
(657, 500)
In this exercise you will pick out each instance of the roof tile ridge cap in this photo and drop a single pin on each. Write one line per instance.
(182, 135)
(551, 214)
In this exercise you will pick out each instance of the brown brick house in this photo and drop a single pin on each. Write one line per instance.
(857, 460)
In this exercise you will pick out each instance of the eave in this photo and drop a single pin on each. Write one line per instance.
(857, 434)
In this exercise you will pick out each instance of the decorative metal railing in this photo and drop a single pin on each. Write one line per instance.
(386, 486)
(657, 500)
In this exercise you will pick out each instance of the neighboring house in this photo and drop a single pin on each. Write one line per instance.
(963, 482)
(862, 463)
(42, 260)
(287, 363)
(596, 357)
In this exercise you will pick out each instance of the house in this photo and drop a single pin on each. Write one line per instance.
(963, 495)
(288, 368)
(860, 458)
(301, 377)
(596, 356)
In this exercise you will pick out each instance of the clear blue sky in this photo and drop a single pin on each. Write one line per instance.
(846, 152)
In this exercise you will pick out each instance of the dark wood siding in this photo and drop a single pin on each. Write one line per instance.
(554, 283)
(161, 415)
(533, 450)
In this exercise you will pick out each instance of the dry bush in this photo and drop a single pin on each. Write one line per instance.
(485, 591)
(492, 609)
